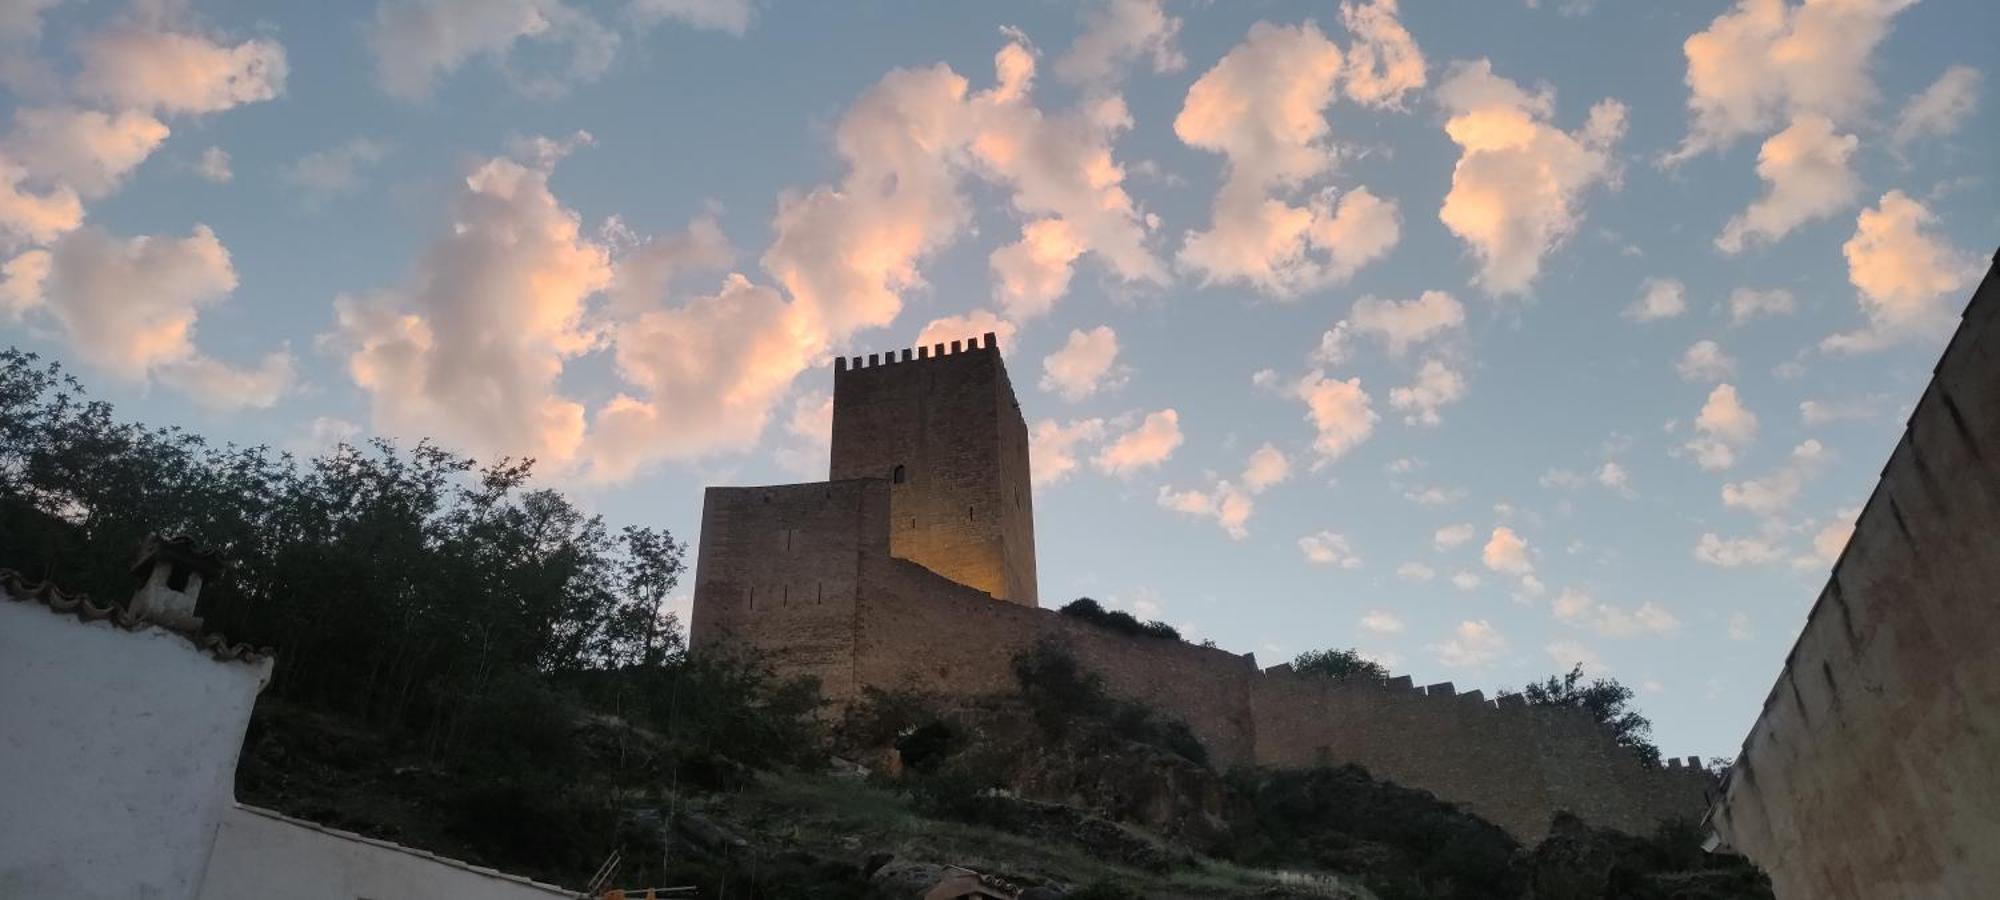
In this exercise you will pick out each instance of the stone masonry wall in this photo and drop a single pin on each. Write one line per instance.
(779, 569)
(1872, 770)
(950, 422)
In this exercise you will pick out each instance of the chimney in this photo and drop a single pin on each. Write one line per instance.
(173, 570)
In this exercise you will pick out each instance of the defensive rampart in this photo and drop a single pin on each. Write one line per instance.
(803, 573)
(1872, 770)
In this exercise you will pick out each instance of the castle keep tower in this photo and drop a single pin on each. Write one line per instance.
(942, 426)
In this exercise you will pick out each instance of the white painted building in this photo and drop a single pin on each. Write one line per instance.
(119, 737)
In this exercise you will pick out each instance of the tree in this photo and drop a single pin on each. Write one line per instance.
(1340, 665)
(1605, 701)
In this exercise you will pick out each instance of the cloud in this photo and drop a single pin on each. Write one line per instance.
(1610, 475)
(1382, 621)
(325, 174)
(1146, 446)
(164, 71)
(1402, 324)
(1227, 503)
(214, 166)
(1453, 535)
(1576, 608)
(1506, 552)
(1732, 552)
(1466, 581)
(84, 150)
(1767, 61)
(1267, 466)
(21, 20)
(1118, 34)
(1030, 274)
(1328, 548)
(1746, 304)
(1433, 495)
(1340, 412)
(1471, 645)
(1940, 109)
(31, 216)
(1723, 427)
(1705, 361)
(1383, 64)
(962, 328)
(1437, 385)
(1908, 277)
(1808, 170)
(1739, 627)
(1773, 494)
(1083, 365)
(469, 349)
(1053, 446)
(129, 307)
(732, 16)
(1262, 106)
(1828, 542)
(810, 427)
(1814, 413)
(1415, 571)
(417, 42)
(1567, 652)
(1659, 298)
(1516, 189)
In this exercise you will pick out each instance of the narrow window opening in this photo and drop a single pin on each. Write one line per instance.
(968, 514)
(177, 578)
(750, 594)
(900, 475)
(786, 598)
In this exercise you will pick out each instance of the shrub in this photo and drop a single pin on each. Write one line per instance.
(1060, 692)
(1339, 665)
(1604, 700)
(1117, 620)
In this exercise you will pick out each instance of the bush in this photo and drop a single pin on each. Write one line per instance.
(1602, 699)
(1060, 693)
(1339, 665)
(1117, 620)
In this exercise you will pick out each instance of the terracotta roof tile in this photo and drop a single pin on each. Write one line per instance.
(18, 588)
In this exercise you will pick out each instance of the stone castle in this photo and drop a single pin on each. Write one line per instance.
(913, 567)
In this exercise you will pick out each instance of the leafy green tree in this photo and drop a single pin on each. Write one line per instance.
(1339, 664)
(1605, 701)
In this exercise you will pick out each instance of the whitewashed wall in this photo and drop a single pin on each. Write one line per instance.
(260, 854)
(117, 755)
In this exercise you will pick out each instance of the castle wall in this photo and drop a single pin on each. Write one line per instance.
(1871, 771)
(779, 569)
(922, 632)
(950, 421)
(1512, 764)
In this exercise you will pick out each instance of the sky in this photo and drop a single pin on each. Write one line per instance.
(1487, 338)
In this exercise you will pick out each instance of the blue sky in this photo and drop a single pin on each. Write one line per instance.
(1486, 338)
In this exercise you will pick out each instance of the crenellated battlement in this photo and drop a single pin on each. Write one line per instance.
(988, 343)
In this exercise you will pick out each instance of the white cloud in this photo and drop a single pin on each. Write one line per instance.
(1453, 535)
(1506, 552)
(1566, 653)
(1466, 581)
(1267, 466)
(21, 20)
(1402, 324)
(1437, 385)
(1145, 446)
(129, 307)
(732, 16)
(1907, 276)
(1732, 552)
(1828, 542)
(1471, 645)
(84, 150)
(1768, 61)
(1340, 412)
(1516, 189)
(1120, 32)
(159, 70)
(964, 328)
(31, 216)
(1773, 494)
(1739, 627)
(325, 174)
(1809, 173)
(1227, 504)
(1659, 298)
(1574, 607)
(1705, 361)
(1613, 476)
(1262, 107)
(1415, 571)
(1722, 428)
(1383, 63)
(1746, 304)
(1054, 447)
(1940, 109)
(214, 165)
(1433, 495)
(1084, 365)
(1814, 413)
(1382, 621)
(1328, 548)
(809, 425)
(417, 42)
(470, 348)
